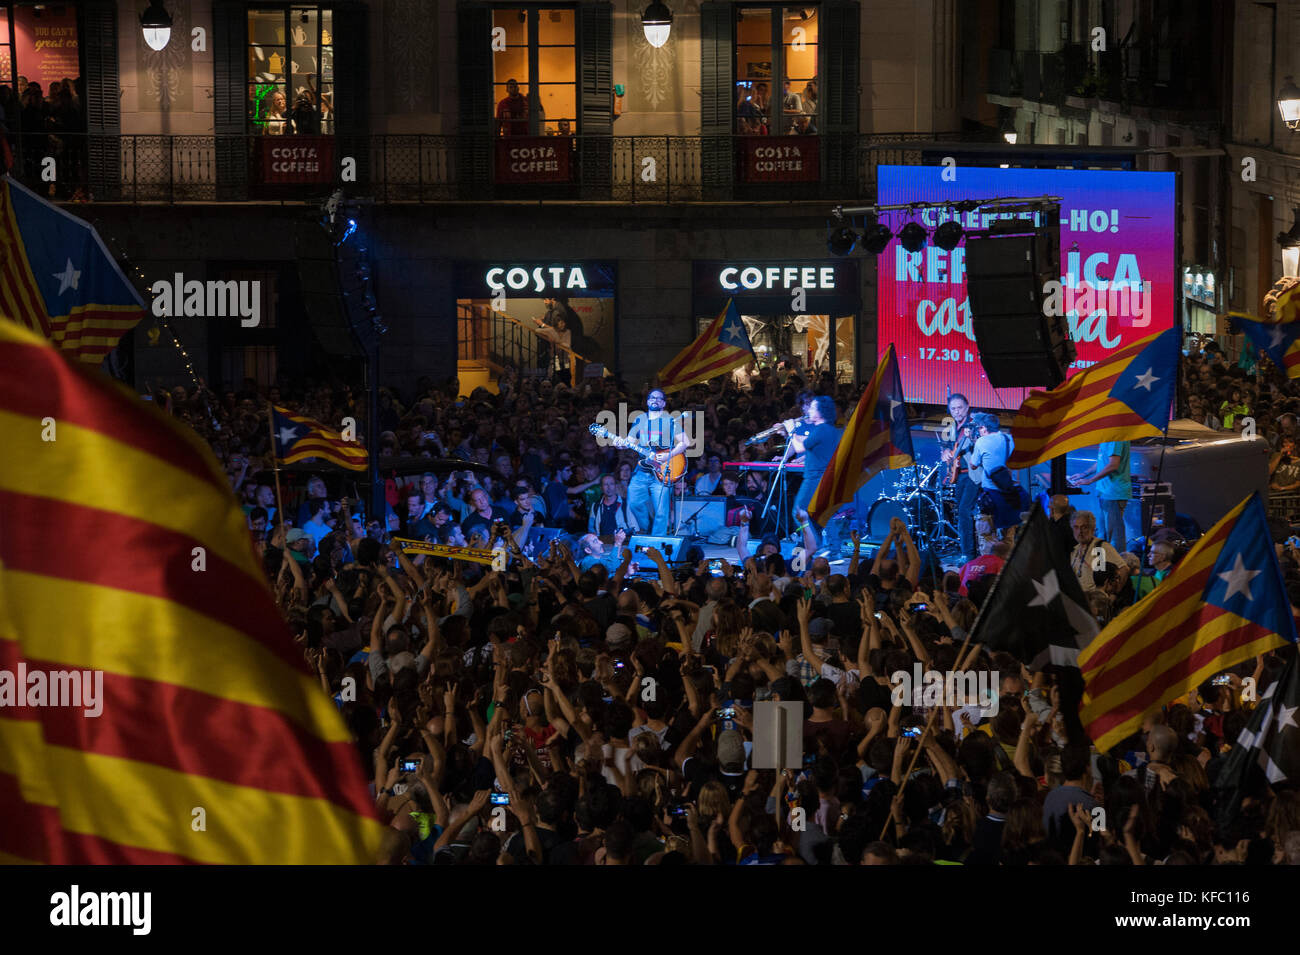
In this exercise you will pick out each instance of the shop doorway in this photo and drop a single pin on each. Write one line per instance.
(799, 344)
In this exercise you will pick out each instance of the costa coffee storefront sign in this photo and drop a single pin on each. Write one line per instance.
(763, 287)
(782, 159)
(523, 159)
(294, 160)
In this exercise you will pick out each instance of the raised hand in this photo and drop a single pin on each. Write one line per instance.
(804, 611)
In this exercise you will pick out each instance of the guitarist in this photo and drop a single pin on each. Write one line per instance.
(648, 498)
(955, 455)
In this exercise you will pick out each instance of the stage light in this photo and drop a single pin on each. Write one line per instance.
(842, 241)
(948, 235)
(912, 237)
(875, 237)
(347, 233)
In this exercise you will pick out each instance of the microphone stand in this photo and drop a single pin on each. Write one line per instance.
(691, 519)
(782, 520)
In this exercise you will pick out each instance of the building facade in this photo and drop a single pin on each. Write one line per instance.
(504, 157)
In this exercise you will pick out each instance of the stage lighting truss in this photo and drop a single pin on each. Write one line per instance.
(860, 227)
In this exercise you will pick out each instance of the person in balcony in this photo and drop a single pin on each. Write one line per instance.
(327, 113)
(305, 119)
(809, 98)
(35, 136)
(803, 125)
(68, 128)
(275, 120)
(512, 111)
(790, 101)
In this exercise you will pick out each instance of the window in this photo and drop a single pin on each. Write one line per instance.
(534, 71)
(291, 70)
(776, 71)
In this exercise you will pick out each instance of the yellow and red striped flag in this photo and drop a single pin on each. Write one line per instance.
(1128, 395)
(877, 437)
(723, 347)
(1225, 602)
(125, 562)
(57, 278)
(298, 438)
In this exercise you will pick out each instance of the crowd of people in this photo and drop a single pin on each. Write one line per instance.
(591, 705)
(36, 123)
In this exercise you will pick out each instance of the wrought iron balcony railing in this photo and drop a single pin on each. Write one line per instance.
(395, 168)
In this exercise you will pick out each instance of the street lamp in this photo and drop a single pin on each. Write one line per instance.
(657, 21)
(156, 23)
(1288, 104)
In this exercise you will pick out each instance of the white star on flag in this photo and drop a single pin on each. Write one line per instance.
(1275, 339)
(1238, 579)
(1286, 717)
(1147, 379)
(894, 406)
(68, 277)
(288, 434)
(1048, 590)
(734, 333)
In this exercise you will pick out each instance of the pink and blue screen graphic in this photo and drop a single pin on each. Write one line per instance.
(1118, 233)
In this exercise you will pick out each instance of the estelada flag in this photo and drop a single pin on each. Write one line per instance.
(1279, 340)
(57, 278)
(165, 714)
(1225, 602)
(876, 438)
(299, 438)
(1128, 395)
(724, 346)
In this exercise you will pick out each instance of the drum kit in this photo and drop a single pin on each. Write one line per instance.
(921, 500)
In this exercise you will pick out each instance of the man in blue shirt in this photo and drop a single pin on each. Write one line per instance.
(993, 448)
(816, 441)
(1114, 484)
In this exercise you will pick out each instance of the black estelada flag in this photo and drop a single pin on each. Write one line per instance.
(1268, 749)
(1036, 610)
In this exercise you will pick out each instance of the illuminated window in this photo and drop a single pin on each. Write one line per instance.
(291, 70)
(535, 77)
(776, 71)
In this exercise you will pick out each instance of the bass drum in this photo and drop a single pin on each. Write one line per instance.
(919, 514)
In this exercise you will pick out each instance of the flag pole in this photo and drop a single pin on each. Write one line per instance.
(920, 741)
(275, 459)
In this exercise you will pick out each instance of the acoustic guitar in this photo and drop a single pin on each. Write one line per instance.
(666, 471)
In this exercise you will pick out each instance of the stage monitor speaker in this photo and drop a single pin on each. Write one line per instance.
(1019, 346)
(671, 547)
(702, 514)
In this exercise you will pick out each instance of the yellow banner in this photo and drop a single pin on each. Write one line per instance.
(476, 554)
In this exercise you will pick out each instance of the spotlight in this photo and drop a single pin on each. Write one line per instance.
(875, 237)
(948, 235)
(347, 233)
(912, 237)
(842, 241)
